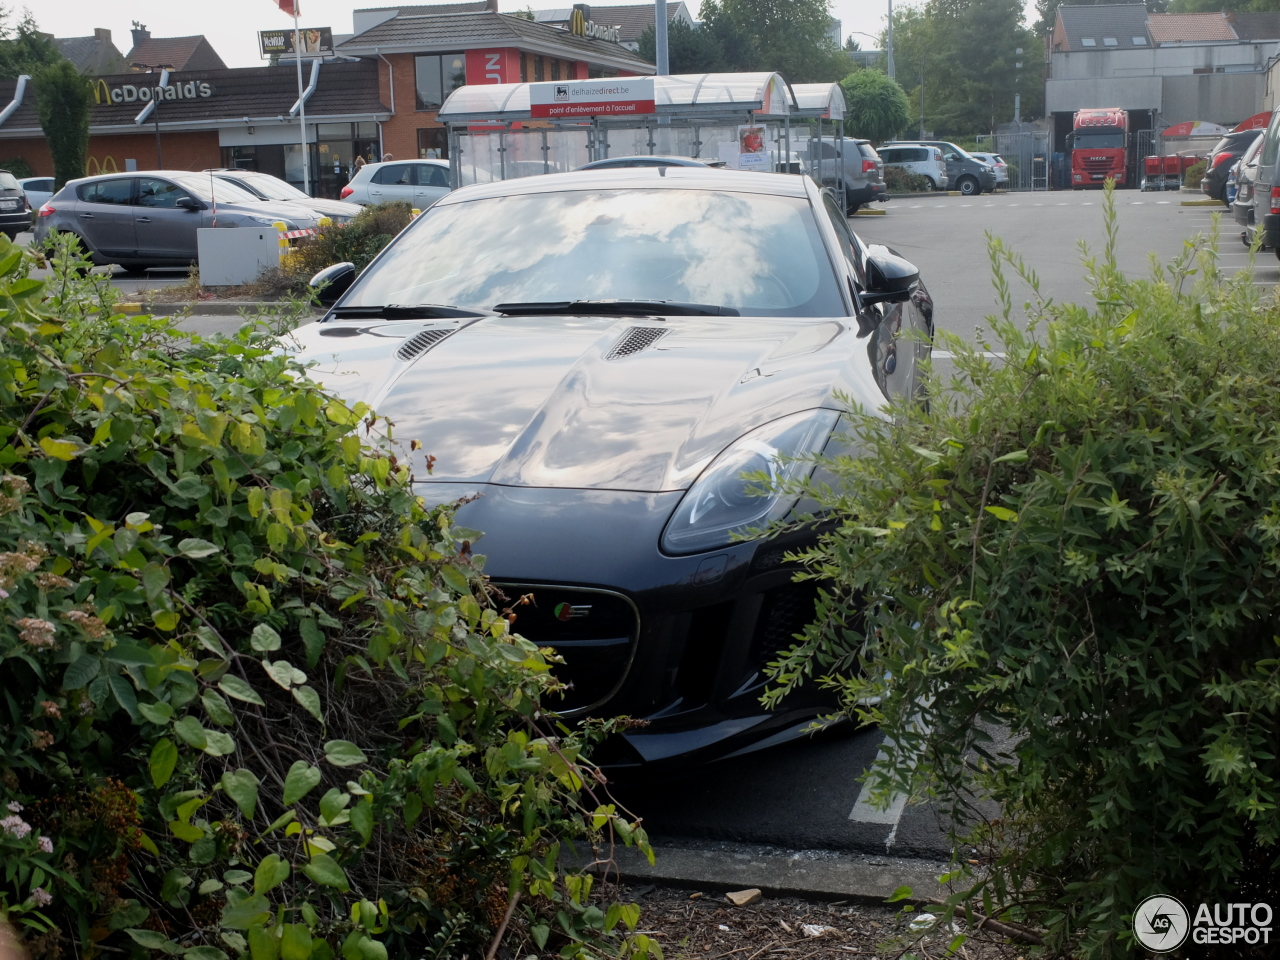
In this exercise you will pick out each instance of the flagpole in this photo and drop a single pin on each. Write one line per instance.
(302, 106)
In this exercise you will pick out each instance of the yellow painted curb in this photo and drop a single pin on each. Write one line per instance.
(954, 193)
(130, 307)
(1203, 203)
(870, 213)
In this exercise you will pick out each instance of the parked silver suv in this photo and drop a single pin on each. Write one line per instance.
(150, 218)
(863, 169)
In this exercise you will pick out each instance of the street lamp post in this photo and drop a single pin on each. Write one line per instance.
(889, 43)
(1017, 87)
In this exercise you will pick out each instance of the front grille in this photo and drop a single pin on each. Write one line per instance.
(635, 340)
(594, 631)
(784, 612)
(422, 342)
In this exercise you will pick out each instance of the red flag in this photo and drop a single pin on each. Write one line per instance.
(288, 6)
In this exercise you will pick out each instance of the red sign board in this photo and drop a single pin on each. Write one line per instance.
(1258, 121)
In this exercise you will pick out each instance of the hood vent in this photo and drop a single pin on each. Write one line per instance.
(422, 342)
(635, 340)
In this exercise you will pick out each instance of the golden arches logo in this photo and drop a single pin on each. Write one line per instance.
(577, 23)
(92, 166)
(101, 93)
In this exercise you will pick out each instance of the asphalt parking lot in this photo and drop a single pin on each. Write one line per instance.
(806, 795)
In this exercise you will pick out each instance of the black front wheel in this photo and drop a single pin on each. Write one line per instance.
(968, 186)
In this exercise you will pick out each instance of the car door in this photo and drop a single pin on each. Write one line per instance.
(165, 230)
(432, 184)
(893, 348)
(393, 182)
(104, 217)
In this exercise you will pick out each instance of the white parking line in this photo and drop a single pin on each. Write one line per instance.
(864, 812)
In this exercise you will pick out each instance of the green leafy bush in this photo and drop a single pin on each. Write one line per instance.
(357, 241)
(1194, 174)
(899, 180)
(1058, 588)
(257, 698)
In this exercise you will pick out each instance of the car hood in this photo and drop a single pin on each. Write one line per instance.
(296, 215)
(328, 208)
(585, 402)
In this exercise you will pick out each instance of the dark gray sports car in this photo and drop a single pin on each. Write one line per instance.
(601, 356)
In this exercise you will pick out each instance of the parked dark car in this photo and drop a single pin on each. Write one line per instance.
(1225, 153)
(862, 170)
(600, 356)
(15, 212)
(150, 218)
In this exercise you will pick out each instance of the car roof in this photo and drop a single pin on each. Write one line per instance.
(386, 163)
(653, 159)
(646, 178)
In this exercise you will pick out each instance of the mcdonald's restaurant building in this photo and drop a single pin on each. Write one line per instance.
(377, 96)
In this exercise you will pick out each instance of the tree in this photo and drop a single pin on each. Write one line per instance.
(786, 36)
(689, 49)
(23, 49)
(851, 45)
(62, 103)
(875, 106)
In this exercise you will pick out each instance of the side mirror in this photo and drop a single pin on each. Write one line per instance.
(890, 279)
(332, 282)
(188, 203)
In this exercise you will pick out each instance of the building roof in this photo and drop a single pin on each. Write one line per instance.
(260, 95)
(93, 55)
(176, 53)
(465, 30)
(1121, 22)
(472, 6)
(632, 19)
(1256, 26)
(1189, 27)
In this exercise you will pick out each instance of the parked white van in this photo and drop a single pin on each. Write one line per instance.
(924, 160)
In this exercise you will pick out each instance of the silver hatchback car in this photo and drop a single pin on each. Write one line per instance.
(150, 218)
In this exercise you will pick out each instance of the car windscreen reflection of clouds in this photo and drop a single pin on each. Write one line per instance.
(759, 254)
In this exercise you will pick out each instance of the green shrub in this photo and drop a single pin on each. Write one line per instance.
(257, 699)
(1063, 580)
(899, 180)
(357, 241)
(1194, 174)
(18, 167)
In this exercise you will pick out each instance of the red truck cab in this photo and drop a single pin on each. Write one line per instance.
(1099, 147)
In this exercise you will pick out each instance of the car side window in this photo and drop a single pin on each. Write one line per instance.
(400, 174)
(162, 194)
(439, 176)
(1271, 142)
(118, 192)
(828, 151)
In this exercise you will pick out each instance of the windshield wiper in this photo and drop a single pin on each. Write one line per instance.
(623, 308)
(399, 311)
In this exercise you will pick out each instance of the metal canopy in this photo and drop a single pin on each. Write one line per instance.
(707, 96)
(822, 100)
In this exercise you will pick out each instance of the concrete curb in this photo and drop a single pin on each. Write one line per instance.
(871, 213)
(821, 874)
(207, 308)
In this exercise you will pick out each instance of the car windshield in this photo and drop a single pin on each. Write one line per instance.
(8, 181)
(1099, 139)
(210, 188)
(270, 187)
(759, 254)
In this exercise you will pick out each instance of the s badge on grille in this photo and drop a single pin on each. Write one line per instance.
(567, 611)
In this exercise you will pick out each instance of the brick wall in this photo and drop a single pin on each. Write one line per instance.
(188, 150)
(400, 133)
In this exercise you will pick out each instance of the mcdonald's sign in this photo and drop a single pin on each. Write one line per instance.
(104, 95)
(580, 25)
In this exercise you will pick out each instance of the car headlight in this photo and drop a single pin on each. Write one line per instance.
(723, 503)
(268, 221)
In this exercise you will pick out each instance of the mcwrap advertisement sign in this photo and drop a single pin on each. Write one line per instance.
(616, 96)
(316, 42)
(139, 93)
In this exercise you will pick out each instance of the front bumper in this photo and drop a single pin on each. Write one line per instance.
(680, 642)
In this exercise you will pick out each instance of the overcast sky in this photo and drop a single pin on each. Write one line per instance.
(232, 25)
